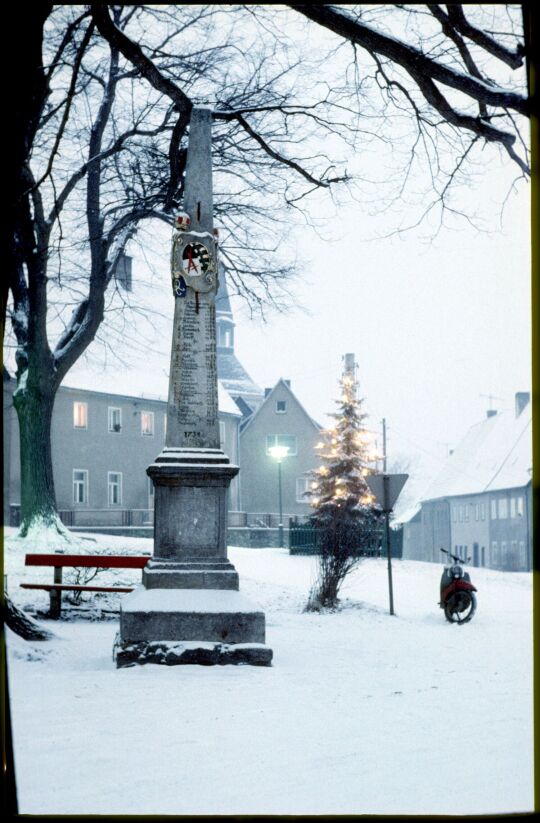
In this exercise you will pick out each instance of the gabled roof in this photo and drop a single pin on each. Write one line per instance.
(494, 454)
(281, 382)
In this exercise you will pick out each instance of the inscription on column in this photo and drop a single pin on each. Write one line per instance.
(192, 417)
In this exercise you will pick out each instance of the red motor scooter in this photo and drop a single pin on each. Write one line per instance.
(458, 597)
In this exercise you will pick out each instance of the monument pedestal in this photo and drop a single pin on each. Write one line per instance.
(190, 522)
(161, 574)
(190, 609)
(205, 626)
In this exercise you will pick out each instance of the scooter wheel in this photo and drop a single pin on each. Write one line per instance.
(460, 607)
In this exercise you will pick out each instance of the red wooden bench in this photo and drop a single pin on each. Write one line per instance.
(58, 561)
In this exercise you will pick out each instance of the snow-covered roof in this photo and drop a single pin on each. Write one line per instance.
(226, 404)
(236, 379)
(494, 454)
(407, 515)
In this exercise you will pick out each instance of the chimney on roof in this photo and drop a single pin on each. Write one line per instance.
(267, 392)
(491, 412)
(287, 383)
(522, 400)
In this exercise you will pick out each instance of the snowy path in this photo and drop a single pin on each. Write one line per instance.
(360, 713)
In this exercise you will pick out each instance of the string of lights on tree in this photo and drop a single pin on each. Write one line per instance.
(338, 488)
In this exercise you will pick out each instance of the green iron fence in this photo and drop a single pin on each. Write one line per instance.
(304, 538)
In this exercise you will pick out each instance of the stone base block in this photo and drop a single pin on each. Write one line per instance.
(205, 615)
(190, 575)
(190, 653)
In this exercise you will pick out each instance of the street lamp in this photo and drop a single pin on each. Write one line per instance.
(278, 453)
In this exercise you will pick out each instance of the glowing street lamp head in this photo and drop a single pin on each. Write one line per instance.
(279, 452)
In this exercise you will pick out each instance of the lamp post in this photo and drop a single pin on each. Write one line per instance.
(278, 453)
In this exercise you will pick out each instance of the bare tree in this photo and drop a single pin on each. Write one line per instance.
(70, 159)
(105, 150)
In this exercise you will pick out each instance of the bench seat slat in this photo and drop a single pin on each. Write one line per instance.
(75, 588)
(105, 561)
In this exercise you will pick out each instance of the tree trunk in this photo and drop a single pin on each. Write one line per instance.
(34, 406)
(22, 624)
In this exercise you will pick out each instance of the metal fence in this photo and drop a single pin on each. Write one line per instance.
(121, 517)
(305, 538)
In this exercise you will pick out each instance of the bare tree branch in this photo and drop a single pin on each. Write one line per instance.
(69, 98)
(514, 59)
(135, 55)
(412, 59)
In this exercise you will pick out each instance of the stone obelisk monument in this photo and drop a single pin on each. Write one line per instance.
(189, 609)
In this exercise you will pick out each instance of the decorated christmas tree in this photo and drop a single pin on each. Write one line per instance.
(344, 514)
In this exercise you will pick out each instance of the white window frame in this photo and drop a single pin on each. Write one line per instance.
(283, 410)
(76, 484)
(112, 485)
(111, 415)
(519, 506)
(79, 405)
(151, 420)
(482, 511)
(274, 440)
(502, 508)
(454, 514)
(493, 509)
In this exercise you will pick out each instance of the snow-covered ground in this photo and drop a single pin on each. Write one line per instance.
(360, 713)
